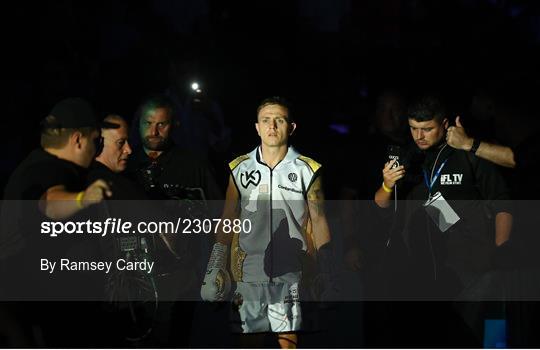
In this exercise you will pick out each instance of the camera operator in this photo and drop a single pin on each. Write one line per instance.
(129, 202)
(183, 181)
(162, 168)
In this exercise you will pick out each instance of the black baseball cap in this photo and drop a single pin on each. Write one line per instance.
(74, 113)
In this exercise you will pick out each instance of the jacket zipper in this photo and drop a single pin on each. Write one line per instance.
(270, 224)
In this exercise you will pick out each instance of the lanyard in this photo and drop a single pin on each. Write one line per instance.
(434, 178)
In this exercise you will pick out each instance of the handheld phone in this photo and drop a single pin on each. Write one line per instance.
(394, 152)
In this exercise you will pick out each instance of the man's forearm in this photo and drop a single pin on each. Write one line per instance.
(59, 204)
(456, 137)
(383, 198)
(321, 231)
(500, 155)
(223, 237)
(503, 227)
(231, 211)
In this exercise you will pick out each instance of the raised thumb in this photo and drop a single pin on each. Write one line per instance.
(458, 122)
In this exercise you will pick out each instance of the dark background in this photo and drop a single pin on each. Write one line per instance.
(331, 58)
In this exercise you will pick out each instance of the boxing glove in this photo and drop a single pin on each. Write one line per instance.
(217, 281)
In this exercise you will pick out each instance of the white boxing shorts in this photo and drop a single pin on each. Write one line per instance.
(266, 307)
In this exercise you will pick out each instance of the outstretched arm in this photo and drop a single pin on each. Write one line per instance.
(57, 203)
(457, 138)
(500, 155)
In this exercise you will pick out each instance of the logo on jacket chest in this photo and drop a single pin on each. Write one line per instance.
(252, 177)
(292, 177)
(451, 179)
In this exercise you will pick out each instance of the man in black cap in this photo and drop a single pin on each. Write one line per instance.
(70, 138)
(49, 185)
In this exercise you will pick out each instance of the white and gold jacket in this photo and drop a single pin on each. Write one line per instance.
(275, 203)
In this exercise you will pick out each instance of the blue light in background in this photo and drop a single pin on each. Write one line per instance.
(341, 129)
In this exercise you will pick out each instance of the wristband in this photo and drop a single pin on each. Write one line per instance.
(475, 145)
(79, 198)
(386, 189)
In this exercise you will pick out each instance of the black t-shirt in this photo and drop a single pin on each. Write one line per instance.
(21, 239)
(30, 180)
(41, 171)
(463, 177)
(477, 192)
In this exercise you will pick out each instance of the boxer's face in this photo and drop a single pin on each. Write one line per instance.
(273, 125)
